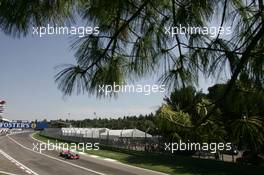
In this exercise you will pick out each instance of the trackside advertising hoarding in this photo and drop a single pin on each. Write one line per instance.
(15, 125)
(23, 125)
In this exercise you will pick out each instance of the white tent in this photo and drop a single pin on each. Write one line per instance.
(125, 133)
(83, 132)
(104, 133)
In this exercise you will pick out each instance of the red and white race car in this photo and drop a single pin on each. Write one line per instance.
(69, 154)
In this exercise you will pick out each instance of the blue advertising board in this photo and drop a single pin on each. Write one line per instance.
(24, 125)
(41, 125)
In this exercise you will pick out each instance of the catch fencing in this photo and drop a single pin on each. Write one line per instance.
(130, 139)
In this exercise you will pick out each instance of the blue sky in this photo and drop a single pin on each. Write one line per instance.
(27, 84)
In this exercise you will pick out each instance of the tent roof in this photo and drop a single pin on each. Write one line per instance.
(126, 133)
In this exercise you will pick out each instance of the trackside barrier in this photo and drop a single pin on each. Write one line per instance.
(4, 132)
(126, 139)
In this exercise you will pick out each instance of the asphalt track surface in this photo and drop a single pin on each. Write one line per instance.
(8, 166)
(17, 156)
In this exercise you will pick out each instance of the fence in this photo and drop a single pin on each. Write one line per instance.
(131, 139)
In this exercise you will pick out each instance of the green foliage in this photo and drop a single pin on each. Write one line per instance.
(132, 40)
(132, 43)
(243, 100)
(242, 112)
(172, 123)
(18, 17)
(237, 119)
(248, 131)
(192, 124)
(178, 118)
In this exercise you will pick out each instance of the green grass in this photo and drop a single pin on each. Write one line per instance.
(172, 164)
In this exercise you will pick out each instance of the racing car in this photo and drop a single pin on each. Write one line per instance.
(69, 154)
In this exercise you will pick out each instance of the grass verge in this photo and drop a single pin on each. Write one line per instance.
(170, 164)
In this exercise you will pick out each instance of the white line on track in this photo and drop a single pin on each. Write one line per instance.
(94, 156)
(77, 166)
(7, 173)
(111, 160)
(20, 165)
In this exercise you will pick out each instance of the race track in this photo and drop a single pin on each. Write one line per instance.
(17, 156)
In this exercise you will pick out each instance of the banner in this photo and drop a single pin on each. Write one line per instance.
(16, 125)
(24, 125)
